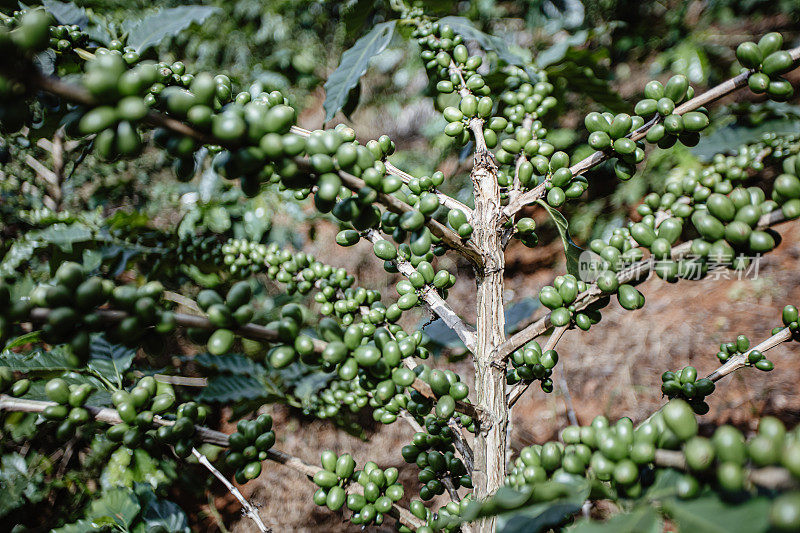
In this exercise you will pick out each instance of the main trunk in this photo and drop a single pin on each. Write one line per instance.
(490, 380)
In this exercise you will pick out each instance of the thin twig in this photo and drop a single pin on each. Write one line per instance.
(738, 361)
(435, 303)
(248, 509)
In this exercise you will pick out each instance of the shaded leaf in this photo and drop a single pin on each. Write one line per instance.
(166, 514)
(22, 340)
(572, 250)
(709, 514)
(119, 504)
(63, 236)
(232, 363)
(20, 252)
(18, 484)
(37, 360)
(725, 140)
(155, 27)
(311, 384)
(536, 518)
(67, 13)
(46, 63)
(81, 526)
(519, 311)
(354, 64)
(557, 51)
(643, 519)
(231, 388)
(109, 360)
(488, 42)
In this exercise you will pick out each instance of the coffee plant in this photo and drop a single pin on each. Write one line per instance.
(91, 300)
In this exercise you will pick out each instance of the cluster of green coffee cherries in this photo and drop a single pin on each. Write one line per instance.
(137, 409)
(625, 457)
(338, 395)
(741, 346)
(660, 102)
(529, 363)
(120, 89)
(69, 410)
(525, 231)
(379, 488)
(434, 454)
(790, 319)
(21, 36)
(769, 62)
(448, 60)
(732, 219)
(560, 298)
(561, 184)
(64, 38)
(209, 254)
(228, 314)
(73, 298)
(684, 384)
(523, 100)
(248, 446)
(447, 518)
(447, 387)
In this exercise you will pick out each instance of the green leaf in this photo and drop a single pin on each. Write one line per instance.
(556, 53)
(709, 514)
(109, 360)
(36, 360)
(354, 64)
(311, 384)
(665, 484)
(166, 514)
(67, 13)
(725, 140)
(63, 236)
(20, 252)
(18, 484)
(643, 519)
(488, 42)
(119, 504)
(231, 363)
(230, 389)
(81, 526)
(572, 250)
(28, 338)
(539, 517)
(155, 27)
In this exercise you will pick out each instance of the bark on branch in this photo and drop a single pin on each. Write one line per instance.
(435, 303)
